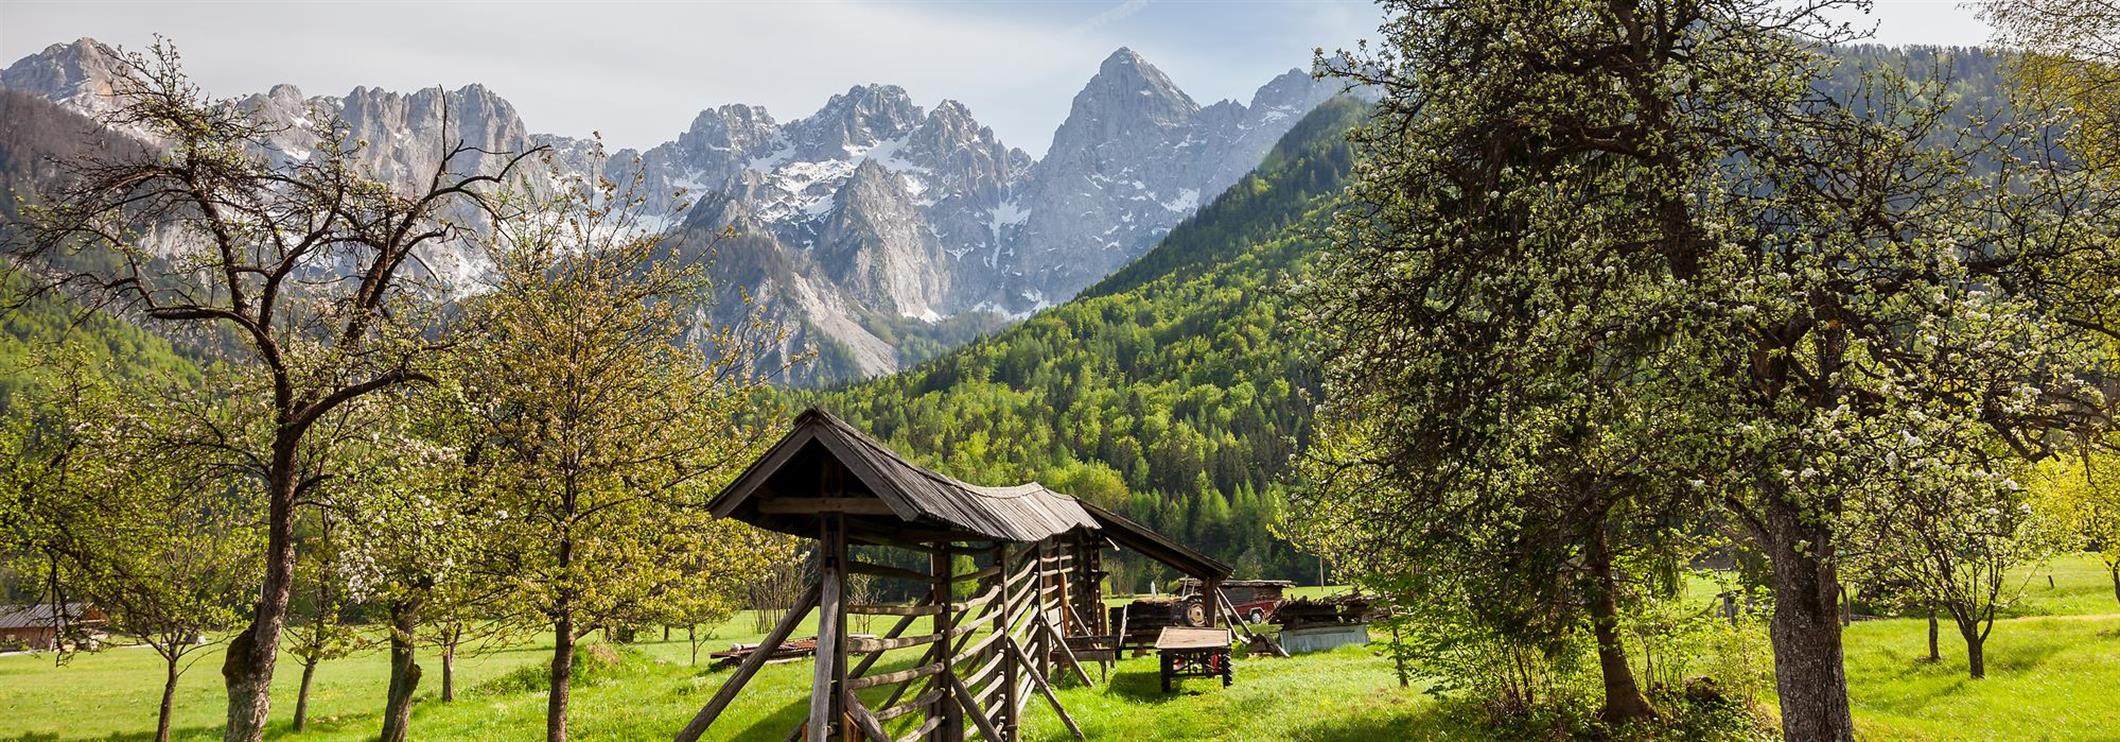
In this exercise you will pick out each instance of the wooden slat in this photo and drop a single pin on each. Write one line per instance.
(894, 677)
(979, 676)
(922, 731)
(871, 727)
(972, 652)
(922, 609)
(911, 705)
(857, 644)
(977, 574)
(1066, 653)
(972, 709)
(816, 505)
(880, 570)
(1040, 684)
(870, 661)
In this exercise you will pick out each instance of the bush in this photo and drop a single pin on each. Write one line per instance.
(594, 664)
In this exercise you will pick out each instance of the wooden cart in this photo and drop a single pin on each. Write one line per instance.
(1194, 653)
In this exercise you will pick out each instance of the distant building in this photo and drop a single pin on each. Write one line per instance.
(36, 626)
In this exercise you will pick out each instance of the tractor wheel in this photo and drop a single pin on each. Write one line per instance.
(1258, 615)
(1195, 614)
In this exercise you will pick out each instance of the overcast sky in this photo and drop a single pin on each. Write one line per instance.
(639, 72)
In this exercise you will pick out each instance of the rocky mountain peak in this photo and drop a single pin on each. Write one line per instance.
(1128, 98)
(855, 121)
(732, 127)
(77, 75)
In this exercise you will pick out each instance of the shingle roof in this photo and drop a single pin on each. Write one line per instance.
(1023, 513)
(35, 615)
(920, 497)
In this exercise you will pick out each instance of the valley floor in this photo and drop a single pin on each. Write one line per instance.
(2052, 669)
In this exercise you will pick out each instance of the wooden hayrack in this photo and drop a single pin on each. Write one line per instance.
(996, 632)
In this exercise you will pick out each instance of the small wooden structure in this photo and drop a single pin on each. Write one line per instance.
(1194, 653)
(41, 627)
(994, 633)
(1320, 624)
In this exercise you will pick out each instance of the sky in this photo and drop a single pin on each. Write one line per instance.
(639, 72)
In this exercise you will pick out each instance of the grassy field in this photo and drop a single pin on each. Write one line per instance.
(2052, 668)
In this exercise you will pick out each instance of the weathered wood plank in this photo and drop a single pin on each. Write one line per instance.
(978, 574)
(880, 570)
(870, 661)
(971, 708)
(895, 677)
(818, 505)
(858, 644)
(922, 731)
(1067, 653)
(871, 727)
(1039, 682)
(751, 663)
(911, 705)
(922, 609)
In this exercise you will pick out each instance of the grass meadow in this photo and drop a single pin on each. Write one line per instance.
(2053, 666)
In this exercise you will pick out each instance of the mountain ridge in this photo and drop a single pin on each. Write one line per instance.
(891, 214)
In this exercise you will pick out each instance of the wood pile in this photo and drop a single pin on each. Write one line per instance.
(1327, 611)
(789, 651)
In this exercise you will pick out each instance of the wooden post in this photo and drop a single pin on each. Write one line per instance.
(1213, 586)
(1044, 613)
(751, 662)
(1047, 689)
(946, 708)
(825, 681)
(1009, 669)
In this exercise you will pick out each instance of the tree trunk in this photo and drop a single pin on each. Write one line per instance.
(404, 672)
(1808, 666)
(449, 670)
(301, 698)
(692, 638)
(562, 677)
(2114, 567)
(247, 668)
(1934, 654)
(1623, 697)
(169, 696)
(1975, 648)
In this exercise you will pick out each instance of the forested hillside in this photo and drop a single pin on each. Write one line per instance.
(1170, 391)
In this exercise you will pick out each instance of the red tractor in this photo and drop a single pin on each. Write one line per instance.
(1255, 601)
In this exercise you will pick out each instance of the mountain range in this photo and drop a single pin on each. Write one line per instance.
(877, 232)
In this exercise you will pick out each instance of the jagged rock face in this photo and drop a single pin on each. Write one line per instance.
(869, 210)
(717, 146)
(77, 76)
(876, 246)
(1135, 156)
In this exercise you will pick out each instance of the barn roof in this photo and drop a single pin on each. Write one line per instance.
(36, 615)
(796, 477)
(1024, 512)
(1147, 542)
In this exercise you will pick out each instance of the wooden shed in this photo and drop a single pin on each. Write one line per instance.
(998, 630)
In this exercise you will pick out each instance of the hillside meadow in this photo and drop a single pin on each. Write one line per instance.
(2053, 665)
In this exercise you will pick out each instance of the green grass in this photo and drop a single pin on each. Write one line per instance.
(2051, 675)
(2048, 678)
